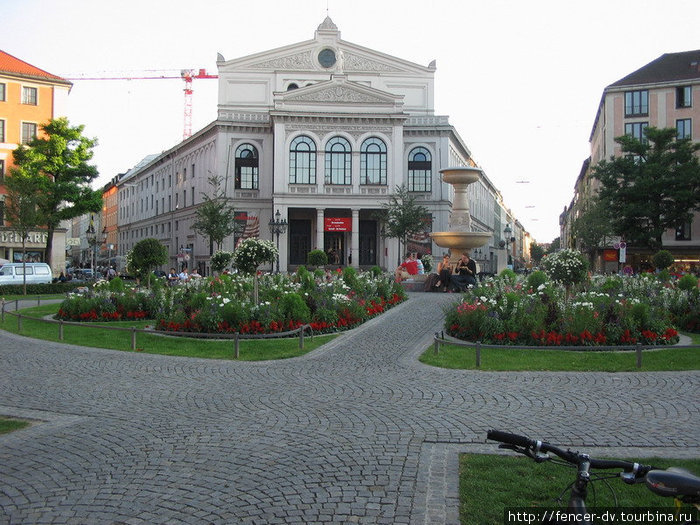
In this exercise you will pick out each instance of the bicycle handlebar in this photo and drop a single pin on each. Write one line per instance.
(533, 446)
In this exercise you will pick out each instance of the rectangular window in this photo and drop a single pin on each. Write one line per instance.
(29, 95)
(177, 201)
(636, 130)
(28, 132)
(2, 130)
(184, 198)
(192, 195)
(684, 97)
(636, 103)
(2, 213)
(683, 232)
(683, 127)
(3, 92)
(2, 171)
(193, 171)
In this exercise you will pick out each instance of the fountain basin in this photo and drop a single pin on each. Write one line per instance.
(459, 242)
(461, 175)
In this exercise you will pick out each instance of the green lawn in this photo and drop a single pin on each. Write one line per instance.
(10, 425)
(152, 343)
(491, 483)
(502, 359)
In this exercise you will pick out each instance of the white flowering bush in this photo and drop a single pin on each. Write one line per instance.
(221, 260)
(612, 311)
(567, 267)
(251, 253)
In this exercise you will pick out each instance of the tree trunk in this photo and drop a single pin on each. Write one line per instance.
(24, 265)
(49, 244)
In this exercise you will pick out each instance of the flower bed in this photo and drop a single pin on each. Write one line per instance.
(608, 311)
(328, 302)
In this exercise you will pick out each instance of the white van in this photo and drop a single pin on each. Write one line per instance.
(37, 273)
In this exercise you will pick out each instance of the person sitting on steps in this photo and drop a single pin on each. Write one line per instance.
(465, 273)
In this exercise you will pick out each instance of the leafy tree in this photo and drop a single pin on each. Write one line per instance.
(215, 217)
(59, 163)
(536, 253)
(403, 217)
(144, 257)
(654, 186)
(592, 228)
(554, 246)
(21, 211)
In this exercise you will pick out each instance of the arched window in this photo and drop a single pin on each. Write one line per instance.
(302, 161)
(373, 162)
(246, 167)
(338, 161)
(292, 86)
(419, 170)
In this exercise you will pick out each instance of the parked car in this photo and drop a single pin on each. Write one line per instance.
(36, 273)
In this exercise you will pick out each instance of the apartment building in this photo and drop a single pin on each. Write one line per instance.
(29, 97)
(664, 93)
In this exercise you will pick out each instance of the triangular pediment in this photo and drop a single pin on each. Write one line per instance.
(338, 92)
(304, 57)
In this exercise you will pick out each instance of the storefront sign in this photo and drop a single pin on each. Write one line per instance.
(337, 224)
(10, 237)
(610, 255)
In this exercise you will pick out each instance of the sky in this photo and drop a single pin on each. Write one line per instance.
(521, 80)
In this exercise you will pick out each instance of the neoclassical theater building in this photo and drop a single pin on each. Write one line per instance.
(322, 131)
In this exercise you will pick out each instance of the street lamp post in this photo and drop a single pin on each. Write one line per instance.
(92, 242)
(509, 239)
(277, 227)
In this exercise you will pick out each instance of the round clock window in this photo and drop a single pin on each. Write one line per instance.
(326, 58)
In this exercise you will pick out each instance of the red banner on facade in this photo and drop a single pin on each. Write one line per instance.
(337, 224)
(610, 255)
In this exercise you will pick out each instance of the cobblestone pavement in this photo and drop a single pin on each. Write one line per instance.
(356, 432)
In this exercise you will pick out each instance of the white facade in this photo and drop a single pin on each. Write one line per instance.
(322, 131)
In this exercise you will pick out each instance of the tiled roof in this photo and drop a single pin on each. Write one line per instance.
(14, 66)
(669, 67)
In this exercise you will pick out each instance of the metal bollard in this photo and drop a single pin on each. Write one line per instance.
(19, 323)
(236, 350)
(301, 338)
(2, 304)
(133, 338)
(639, 355)
(478, 354)
(436, 345)
(60, 330)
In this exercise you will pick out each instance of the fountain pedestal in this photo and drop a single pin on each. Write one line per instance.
(459, 237)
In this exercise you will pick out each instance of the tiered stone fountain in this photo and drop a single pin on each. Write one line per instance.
(460, 238)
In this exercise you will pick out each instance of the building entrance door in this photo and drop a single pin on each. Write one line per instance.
(335, 247)
(299, 240)
(368, 243)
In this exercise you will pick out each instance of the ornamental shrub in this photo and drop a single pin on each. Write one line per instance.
(116, 285)
(317, 258)
(688, 282)
(251, 253)
(293, 308)
(535, 279)
(508, 275)
(221, 260)
(568, 267)
(663, 259)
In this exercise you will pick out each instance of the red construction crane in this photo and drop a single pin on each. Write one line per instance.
(188, 75)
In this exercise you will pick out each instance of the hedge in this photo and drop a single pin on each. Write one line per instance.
(40, 289)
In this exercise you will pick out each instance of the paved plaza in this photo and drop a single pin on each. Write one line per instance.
(357, 431)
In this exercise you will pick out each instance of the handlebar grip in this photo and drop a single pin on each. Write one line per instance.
(511, 439)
